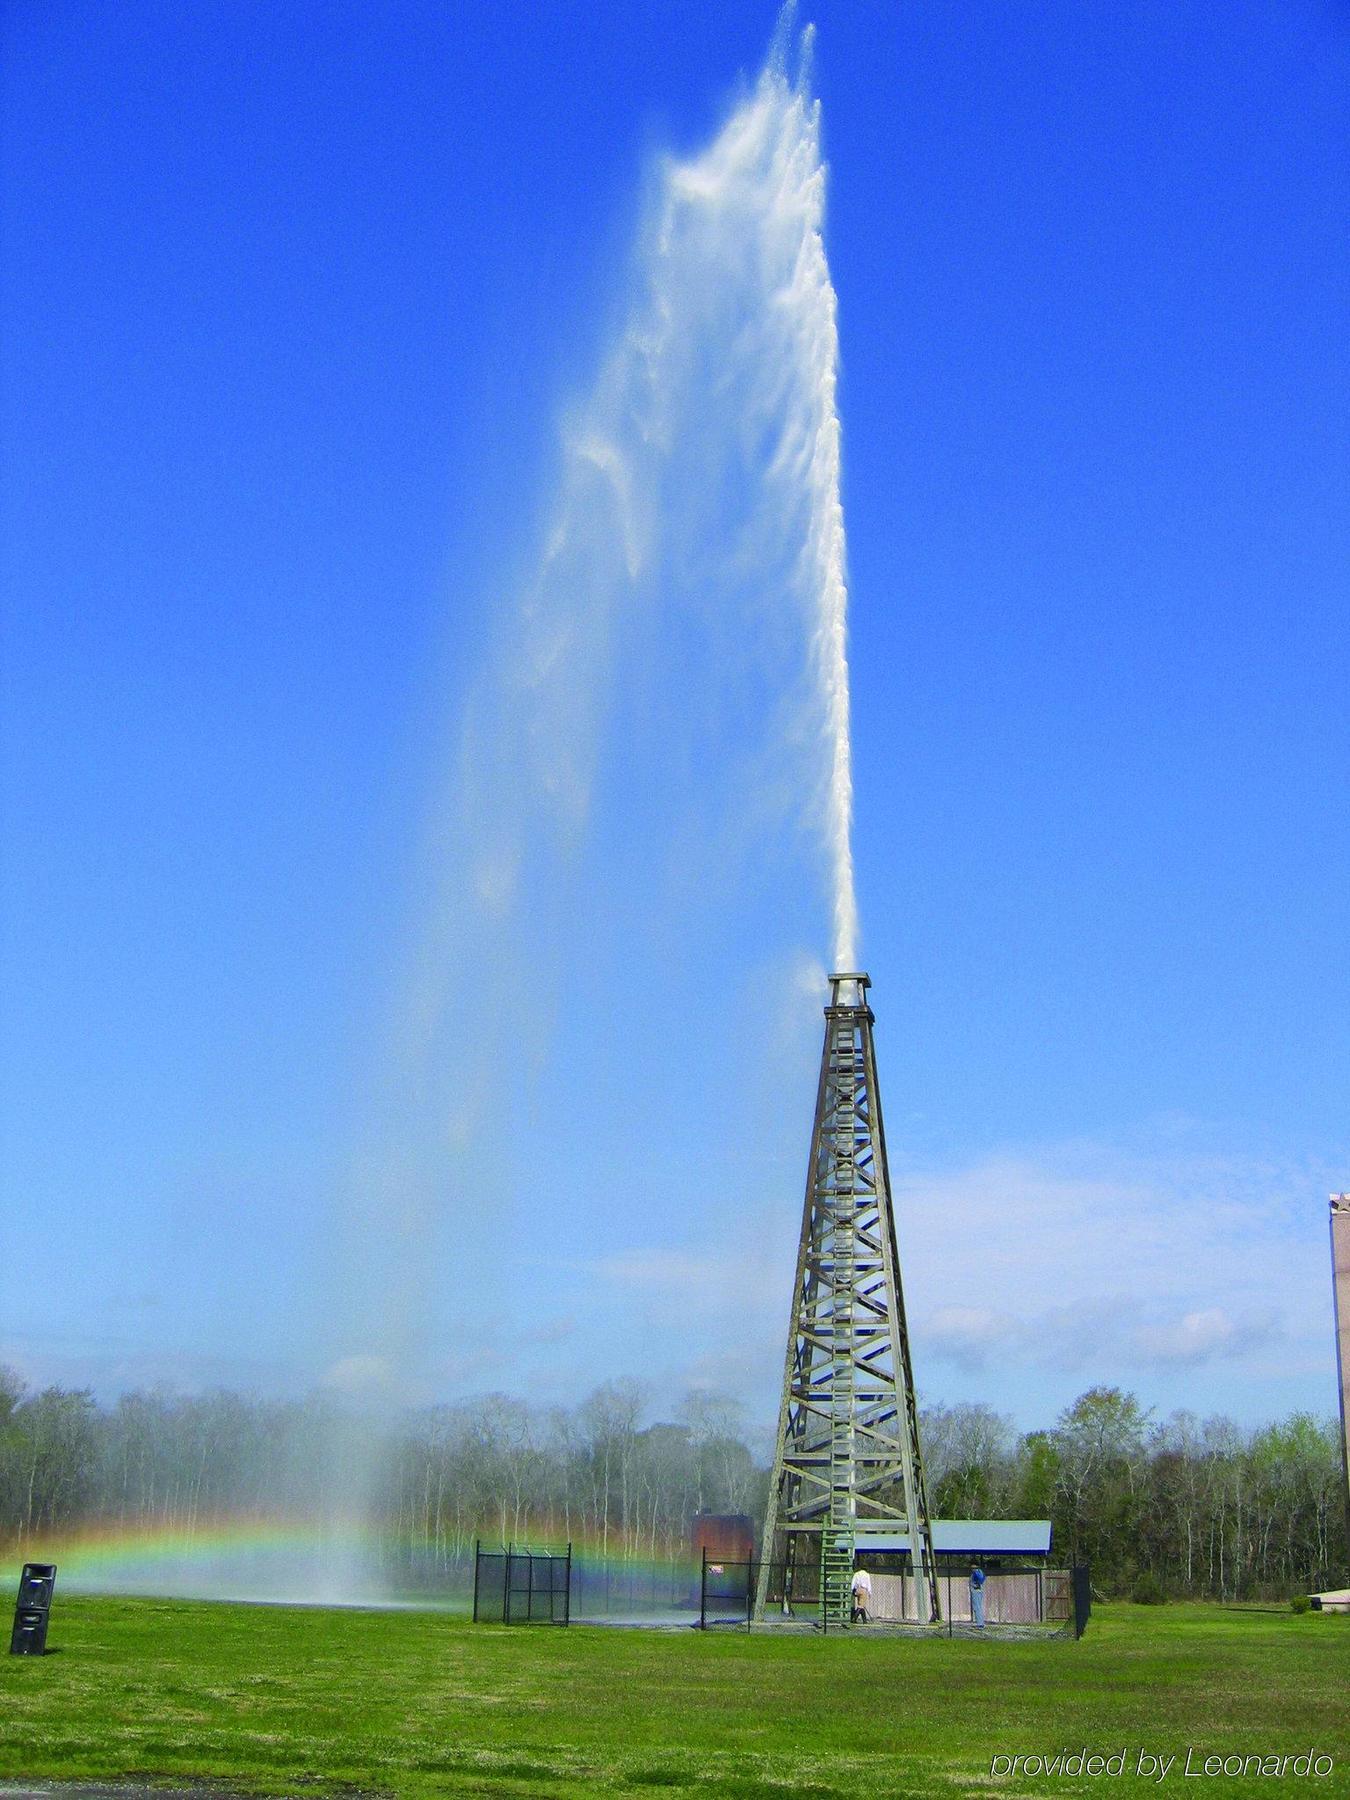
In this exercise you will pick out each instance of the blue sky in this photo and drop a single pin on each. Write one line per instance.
(294, 303)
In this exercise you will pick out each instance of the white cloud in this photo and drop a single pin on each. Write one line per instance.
(967, 1335)
(734, 1277)
(113, 1365)
(1204, 1336)
(364, 1376)
(1081, 1256)
(1031, 1273)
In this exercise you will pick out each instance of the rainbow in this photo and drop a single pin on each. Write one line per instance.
(269, 1558)
(227, 1557)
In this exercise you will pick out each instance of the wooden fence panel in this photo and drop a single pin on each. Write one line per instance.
(1010, 1598)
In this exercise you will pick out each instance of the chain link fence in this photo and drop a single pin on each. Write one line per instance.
(522, 1587)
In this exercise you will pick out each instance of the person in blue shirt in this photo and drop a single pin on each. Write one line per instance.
(977, 1594)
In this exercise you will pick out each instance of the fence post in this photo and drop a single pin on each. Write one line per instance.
(476, 1543)
(703, 1594)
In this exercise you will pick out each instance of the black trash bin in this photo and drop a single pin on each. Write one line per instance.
(1082, 1599)
(32, 1610)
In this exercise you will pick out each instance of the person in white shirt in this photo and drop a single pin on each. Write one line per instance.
(862, 1595)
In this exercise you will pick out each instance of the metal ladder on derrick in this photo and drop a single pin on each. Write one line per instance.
(837, 1552)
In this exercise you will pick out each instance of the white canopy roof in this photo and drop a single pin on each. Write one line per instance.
(962, 1537)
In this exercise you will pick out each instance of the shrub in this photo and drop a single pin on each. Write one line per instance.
(1299, 1603)
(1147, 1589)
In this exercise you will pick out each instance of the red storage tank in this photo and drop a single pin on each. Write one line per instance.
(727, 1537)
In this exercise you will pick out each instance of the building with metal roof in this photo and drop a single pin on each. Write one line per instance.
(959, 1537)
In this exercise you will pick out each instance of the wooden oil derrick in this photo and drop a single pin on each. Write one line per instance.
(847, 1456)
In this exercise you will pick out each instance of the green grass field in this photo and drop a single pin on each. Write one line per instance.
(289, 1700)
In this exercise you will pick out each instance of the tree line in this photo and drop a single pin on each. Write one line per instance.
(1180, 1507)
